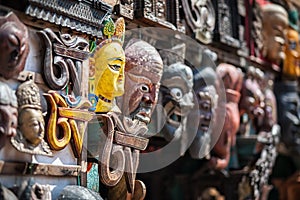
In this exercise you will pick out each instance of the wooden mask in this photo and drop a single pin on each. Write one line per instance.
(13, 43)
(143, 71)
(177, 98)
(274, 24)
(205, 89)
(8, 113)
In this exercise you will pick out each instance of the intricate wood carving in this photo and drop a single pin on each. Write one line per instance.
(123, 152)
(83, 16)
(226, 30)
(31, 124)
(126, 8)
(200, 16)
(157, 12)
(63, 60)
(273, 15)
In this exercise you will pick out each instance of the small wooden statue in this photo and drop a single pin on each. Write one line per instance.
(31, 124)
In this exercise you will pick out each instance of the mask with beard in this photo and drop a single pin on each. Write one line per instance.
(205, 88)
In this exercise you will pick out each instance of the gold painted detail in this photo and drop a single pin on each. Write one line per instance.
(72, 121)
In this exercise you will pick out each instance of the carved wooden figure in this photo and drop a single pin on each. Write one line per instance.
(252, 97)
(13, 43)
(31, 124)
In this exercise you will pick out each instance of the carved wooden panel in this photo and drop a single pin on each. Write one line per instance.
(200, 16)
(228, 19)
(126, 8)
(83, 16)
(63, 59)
(159, 13)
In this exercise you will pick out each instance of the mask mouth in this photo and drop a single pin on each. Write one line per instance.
(174, 119)
(143, 113)
(204, 127)
(174, 113)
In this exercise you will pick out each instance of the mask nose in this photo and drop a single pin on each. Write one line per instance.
(150, 97)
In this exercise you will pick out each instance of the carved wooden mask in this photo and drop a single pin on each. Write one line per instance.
(143, 71)
(109, 76)
(291, 67)
(274, 25)
(205, 89)
(13, 43)
(288, 108)
(176, 98)
(251, 96)
(232, 79)
(8, 113)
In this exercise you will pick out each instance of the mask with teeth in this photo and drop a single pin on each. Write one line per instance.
(143, 71)
(177, 99)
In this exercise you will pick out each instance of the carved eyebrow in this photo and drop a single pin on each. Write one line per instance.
(139, 79)
(113, 59)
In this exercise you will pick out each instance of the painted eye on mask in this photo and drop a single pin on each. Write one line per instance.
(176, 93)
(144, 88)
(115, 67)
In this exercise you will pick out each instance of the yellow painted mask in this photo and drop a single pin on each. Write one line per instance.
(291, 67)
(109, 75)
